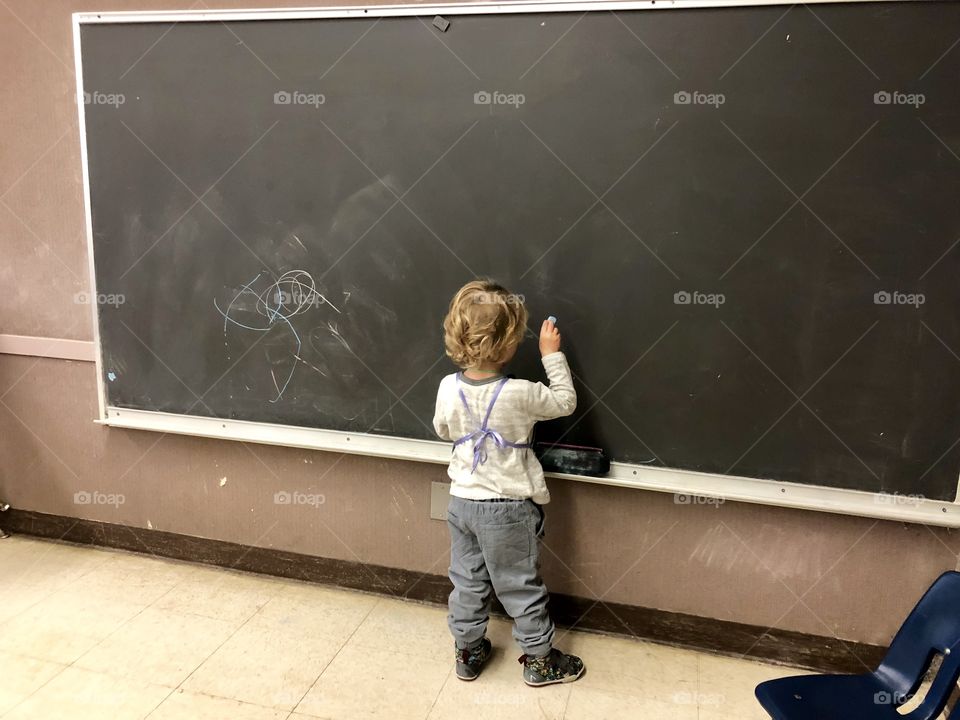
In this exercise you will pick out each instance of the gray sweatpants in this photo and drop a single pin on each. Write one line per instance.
(493, 549)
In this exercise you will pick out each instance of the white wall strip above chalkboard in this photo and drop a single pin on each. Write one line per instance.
(688, 487)
(60, 348)
(418, 9)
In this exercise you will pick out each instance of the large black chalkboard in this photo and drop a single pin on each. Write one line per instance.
(601, 164)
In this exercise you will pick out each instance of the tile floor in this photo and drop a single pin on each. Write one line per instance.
(98, 634)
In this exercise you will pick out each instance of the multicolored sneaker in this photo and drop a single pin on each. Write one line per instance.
(554, 667)
(470, 662)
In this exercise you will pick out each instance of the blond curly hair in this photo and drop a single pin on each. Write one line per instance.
(485, 323)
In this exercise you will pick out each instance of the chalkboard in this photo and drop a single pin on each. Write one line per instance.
(745, 219)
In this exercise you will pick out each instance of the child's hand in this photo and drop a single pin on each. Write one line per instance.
(549, 338)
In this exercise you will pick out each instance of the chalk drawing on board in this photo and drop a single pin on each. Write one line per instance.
(277, 303)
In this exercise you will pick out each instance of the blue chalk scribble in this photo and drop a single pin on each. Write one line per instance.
(293, 293)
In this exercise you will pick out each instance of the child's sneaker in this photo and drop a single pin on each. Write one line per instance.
(470, 662)
(554, 667)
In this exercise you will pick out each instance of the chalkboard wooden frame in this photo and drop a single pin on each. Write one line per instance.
(690, 487)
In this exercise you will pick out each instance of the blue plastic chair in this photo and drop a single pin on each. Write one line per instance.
(933, 627)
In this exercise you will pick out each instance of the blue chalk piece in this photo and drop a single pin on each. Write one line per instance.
(552, 319)
(111, 376)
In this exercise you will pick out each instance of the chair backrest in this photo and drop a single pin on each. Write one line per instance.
(933, 627)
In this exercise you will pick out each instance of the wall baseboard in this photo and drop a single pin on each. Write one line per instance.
(812, 652)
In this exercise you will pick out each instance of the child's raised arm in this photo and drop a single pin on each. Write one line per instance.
(558, 399)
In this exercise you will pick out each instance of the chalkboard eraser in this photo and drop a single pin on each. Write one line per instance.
(572, 459)
(553, 319)
(441, 24)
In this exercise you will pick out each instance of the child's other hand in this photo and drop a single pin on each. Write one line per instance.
(549, 338)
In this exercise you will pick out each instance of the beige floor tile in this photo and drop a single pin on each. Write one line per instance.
(366, 683)
(219, 594)
(269, 666)
(420, 630)
(158, 646)
(83, 695)
(193, 706)
(47, 564)
(315, 610)
(61, 629)
(588, 704)
(15, 598)
(494, 697)
(253, 648)
(131, 578)
(727, 685)
(655, 672)
(20, 676)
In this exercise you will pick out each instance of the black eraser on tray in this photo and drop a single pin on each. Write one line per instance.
(572, 459)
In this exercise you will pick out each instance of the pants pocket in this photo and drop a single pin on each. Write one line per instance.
(507, 547)
(540, 519)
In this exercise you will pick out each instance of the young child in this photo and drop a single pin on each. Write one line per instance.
(495, 516)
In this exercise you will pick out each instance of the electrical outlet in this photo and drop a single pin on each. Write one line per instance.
(439, 499)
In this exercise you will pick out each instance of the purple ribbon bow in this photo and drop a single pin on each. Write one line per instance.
(480, 435)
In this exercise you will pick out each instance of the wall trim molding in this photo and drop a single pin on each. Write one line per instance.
(46, 347)
(785, 647)
(425, 10)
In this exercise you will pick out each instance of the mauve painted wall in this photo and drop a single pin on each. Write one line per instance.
(830, 575)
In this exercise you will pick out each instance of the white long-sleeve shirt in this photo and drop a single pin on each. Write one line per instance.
(508, 472)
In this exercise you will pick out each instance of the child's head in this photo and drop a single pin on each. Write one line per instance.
(485, 324)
